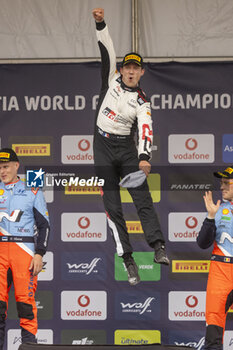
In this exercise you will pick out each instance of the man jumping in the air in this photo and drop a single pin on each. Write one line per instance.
(122, 108)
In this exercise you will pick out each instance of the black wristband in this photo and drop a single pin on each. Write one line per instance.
(144, 156)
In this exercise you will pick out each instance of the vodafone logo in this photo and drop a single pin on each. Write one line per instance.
(84, 222)
(191, 148)
(83, 227)
(83, 300)
(84, 145)
(191, 301)
(77, 149)
(191, 222)
(191, 144)
(187, 306)
(83, 305)
(185, 226)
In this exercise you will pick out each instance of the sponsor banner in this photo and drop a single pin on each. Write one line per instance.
(136, 337)
(44, 336)
(147, 269)
(77, 149)
(83, 266)
(31, 150)
(73, 189)
(198, 148)
(83, 305)
(227, 148)
(228, 340)
(184, 227)
(47, 271)
(137, 306)
(44, 303)
(186, 306)
(83, 227)
(190, 266)
(194, 339)
(83, 336)
(134, 227)
(154, 184)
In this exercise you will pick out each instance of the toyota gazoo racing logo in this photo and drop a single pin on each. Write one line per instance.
(191, 301)
(140, 308)
(191, 144)
(191, 222)
(84, 268)
(84, 222)
(84, 145)
(83, 300)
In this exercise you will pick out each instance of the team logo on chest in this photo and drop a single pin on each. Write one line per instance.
(14, 217)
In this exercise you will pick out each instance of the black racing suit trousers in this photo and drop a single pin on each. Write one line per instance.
(114, 159)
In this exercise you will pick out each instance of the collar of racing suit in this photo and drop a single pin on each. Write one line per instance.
(127, 88)
(11, 184)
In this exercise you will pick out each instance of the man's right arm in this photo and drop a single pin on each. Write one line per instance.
(108, 56)
(207, 234)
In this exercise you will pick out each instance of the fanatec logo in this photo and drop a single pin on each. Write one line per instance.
(85, 268)
(140, 308)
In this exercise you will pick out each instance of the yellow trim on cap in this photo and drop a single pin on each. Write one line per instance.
(4, 155)
(223, 175)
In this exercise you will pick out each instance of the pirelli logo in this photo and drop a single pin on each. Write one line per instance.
(82, 190)
(133, 57)
(4, 155)
(190, 266)
(134, 227)
(32, 150)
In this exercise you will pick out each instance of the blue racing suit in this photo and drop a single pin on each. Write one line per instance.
(219, 293)
(24, 230)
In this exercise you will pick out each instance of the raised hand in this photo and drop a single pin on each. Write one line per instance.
(210, 206)
(98, 14)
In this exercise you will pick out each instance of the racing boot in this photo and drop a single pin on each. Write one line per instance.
(160, 254)
(132, 269)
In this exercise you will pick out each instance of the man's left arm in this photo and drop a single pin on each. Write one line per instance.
(145, 133)
(42, 225)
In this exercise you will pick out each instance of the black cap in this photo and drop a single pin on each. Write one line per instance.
(8, 155)
(227, 173)
(132, 57)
